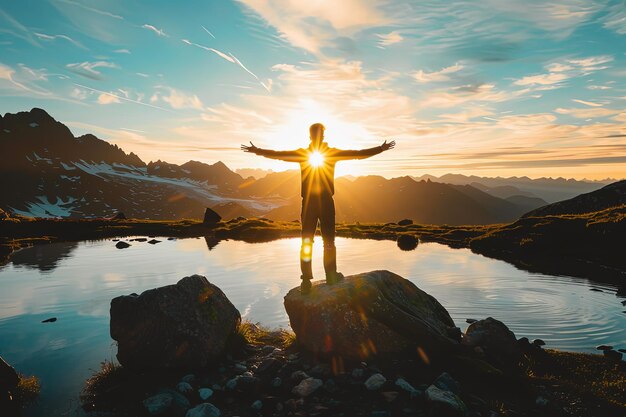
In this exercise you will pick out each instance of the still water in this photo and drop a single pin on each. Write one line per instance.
(75, 282)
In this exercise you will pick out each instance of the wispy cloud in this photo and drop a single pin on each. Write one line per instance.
(208, 31)
(89, 69)
(176, 99)
(159, 32)
(91, 9)
(436, 76)
(15, 28)
(46, 37)
(107, 99)
(587, 113)
(615, 19)
(387, 39)
(122, 51)
(560, 72)
(587, 103)
(120, 97)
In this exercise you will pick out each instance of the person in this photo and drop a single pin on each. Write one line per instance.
(317, 172)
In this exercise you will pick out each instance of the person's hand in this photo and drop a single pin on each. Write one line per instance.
(386, 146)
(251, 148)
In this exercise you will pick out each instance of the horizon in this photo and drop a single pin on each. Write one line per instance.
(495, 90)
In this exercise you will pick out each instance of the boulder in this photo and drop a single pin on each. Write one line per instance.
(405, 222)
(368, 314)
(118, 216)
(211, 217)
(8, 376)
(181, 326)
(496, 340)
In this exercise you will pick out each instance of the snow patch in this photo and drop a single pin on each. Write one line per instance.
(68, 167)
(33, 124)
(44, 208)
(6, 131)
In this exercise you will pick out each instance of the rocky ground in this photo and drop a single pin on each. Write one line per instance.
(267, 374)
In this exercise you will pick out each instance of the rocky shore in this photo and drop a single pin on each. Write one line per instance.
(425, 368)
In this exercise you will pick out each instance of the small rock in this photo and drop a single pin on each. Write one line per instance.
(604, 347)
(269, 366)
(50, 320)
(541, 401)
(405, 222)
(358, 373)
(307, 387)
(330, 386)
(406, 386)
(613, 355)
(158, 404)
(257, 405)
(241, 368)
(621, 350)
(390, 396)
(140, 239)
(204, 410)
(595, 290)
(190, 379)
(539, 342)
(232, 383)
(375, 382)
(447, 383)
(122, 245)
(154, 241)
(277, 382)
(184, 387)
(444, 402)
(205, 393)
(299, 375)
(470, 321)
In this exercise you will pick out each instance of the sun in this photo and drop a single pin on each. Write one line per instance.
(316, 159)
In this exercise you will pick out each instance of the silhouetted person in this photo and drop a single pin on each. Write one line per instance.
(317, 170)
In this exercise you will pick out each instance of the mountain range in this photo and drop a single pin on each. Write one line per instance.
(48, 172)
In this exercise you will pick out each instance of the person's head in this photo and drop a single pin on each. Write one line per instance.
(316, 132)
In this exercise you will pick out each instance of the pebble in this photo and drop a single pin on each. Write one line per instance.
(390, 396)
(358, 373)
(205, 393)
(241, 368)
(406, 386)
(158, 404)
(375, 382)
(154, 241)
(447, 383)
(184, 387)
(232, 383)
(277, 382)
(330, 386)
(257, 405)
(444, 402)
(299, 375)
(122, 245)
(541, 401)
(604, 347)
(307, 387)
(50, 320)
(190, 379)
(470, 321)
(204, 410)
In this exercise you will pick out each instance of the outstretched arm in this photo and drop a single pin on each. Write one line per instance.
(364, 153)
(289, 156)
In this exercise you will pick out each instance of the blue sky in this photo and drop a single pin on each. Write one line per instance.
(492, 87)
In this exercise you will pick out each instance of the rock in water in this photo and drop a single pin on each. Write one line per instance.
(372, 313)
(122, 245)
(185, 325)
(498, 342)
(204, 410)
(211, 217)
(8, 376)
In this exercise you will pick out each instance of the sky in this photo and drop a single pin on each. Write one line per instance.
(490, 87)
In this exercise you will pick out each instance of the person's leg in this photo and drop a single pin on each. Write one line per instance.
(327, 226)
(309, 224)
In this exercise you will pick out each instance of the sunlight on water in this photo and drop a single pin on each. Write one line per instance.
(75, 282)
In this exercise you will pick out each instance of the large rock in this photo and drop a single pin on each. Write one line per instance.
(495, 339)
(186, 325)
(8, 376)
(372, 313)
(211, 217)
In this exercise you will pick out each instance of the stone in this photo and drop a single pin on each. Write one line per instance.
(406, 386)
(154, 241)
(205, 393)
(184, 387)
(368, 314)
(122, 245)
(358, 373)
(444, 403)
(181, 326)
(211, 218)
(277, 382)
(8, 376)
(204, 410)
(497, 341)
(375, 382)
(604, 347)
(189, 378)
(447, 383)
(50, 320)
(307, 387)
(470, 321)
(390, 396)
(118, 216)
(407, 242)
(539, 342)
(405, 222)
(180, 403)
(158, 404)
(269, 366)
(257, 405)
(299, 375)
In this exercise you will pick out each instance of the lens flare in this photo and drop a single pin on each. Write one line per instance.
(316, 159)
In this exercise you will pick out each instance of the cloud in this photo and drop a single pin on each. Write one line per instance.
(22, 80)
(177, 99)
(46, 37)
(310, 25)
(122, 51)
(615, 19)
(107, 99)
(89, 69)
(542, 79)
(588, 113)
(387, 39)
(587, 103)
(15, 28)
(208, 31)
(436, 76)
(119, 97)
(100, 25)
(91, 9)
(159, 32)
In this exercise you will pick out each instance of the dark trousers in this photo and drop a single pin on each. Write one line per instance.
(318, 209)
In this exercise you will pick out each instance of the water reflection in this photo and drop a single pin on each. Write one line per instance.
(44, 257)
